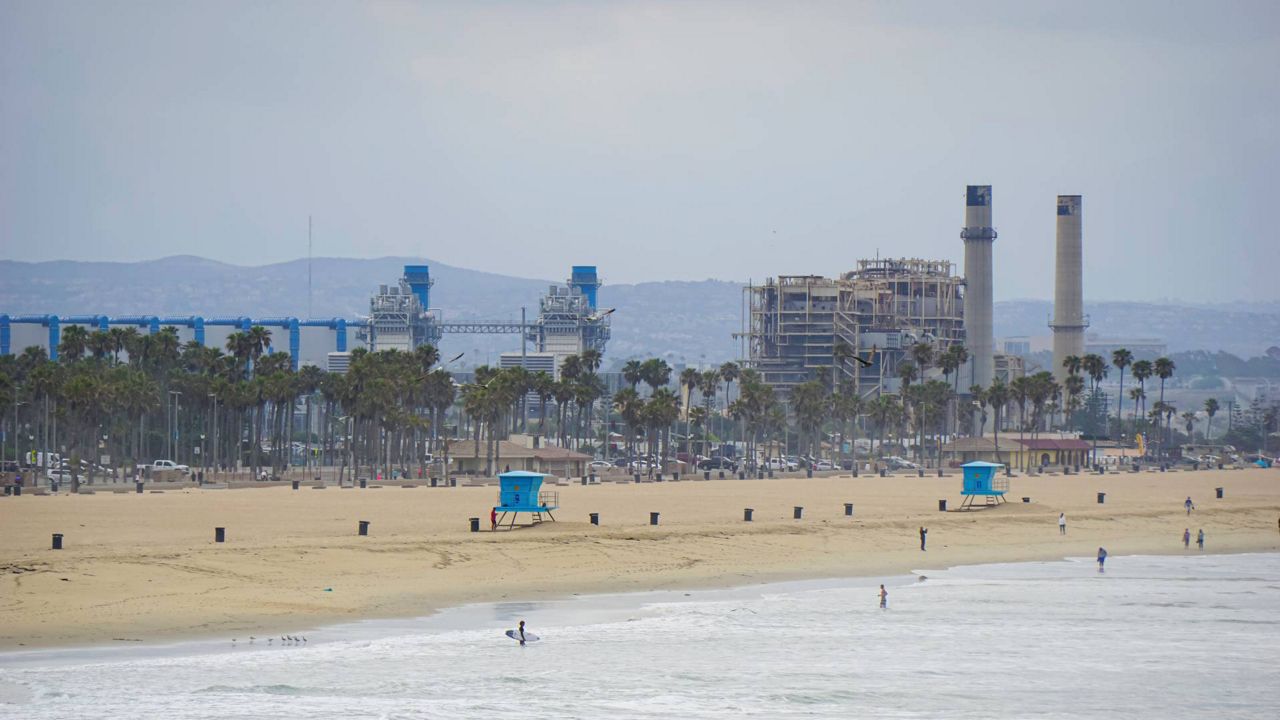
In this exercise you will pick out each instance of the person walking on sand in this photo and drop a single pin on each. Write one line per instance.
(1102, 558)
(1188, 505)
(1062, 523)
(1186, 538)
(924, 534)
(1200, 538)
(884, 598)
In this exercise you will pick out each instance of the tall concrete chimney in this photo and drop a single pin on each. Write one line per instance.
(1068, 322)
(978, 236)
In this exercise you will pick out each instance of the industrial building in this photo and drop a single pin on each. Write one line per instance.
(1069, 321)
(878, 311)
(400, 318)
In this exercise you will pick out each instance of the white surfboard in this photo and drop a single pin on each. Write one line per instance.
(528, 636)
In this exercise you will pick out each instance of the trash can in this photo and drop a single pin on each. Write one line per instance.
(942, 506)
(919, 472)
(1218, 492)
(1026, 499)
(675, 477)
(584, 480)
(53, 487)
(760, 474)
(746, 514)
(595, 518)
(939, 472)
(883, 472)
(435, 482)
(659, 477)
(219, 534)
(770, 473)
(855, 469)
(706, 475)
(475, 524)
(848, 509)
(808, 472)
(653, 518)
(364, 527)
(295, 484)
(1102, 498)
(364, 483)
(57, 541)
(797, 511)
(636, 477)
(138, 487)
(17, 489)
(453, 482)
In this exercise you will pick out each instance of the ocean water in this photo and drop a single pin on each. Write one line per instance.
(1153, 637)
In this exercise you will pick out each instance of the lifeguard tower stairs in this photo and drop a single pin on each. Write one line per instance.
(521, 492)
(983, 480)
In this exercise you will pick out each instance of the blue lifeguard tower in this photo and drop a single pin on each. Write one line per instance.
(983, 480)
(521, 492)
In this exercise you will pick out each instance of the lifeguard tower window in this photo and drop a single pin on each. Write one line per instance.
(983, 480)
(521, 492)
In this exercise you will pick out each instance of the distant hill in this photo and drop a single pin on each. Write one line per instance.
(685, 321)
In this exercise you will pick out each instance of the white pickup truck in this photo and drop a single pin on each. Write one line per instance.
(160, 465)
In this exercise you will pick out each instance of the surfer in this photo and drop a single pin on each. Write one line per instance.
(884, 598)
(1102, 558)
(520, 633)
(1200, 538)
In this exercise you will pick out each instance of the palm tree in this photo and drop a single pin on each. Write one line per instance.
(811, 405)
(1072, 364)
(656, 373)
(1020, 391)
(1121, 359)
(707, 383)
(689, 379)
(73, 343)
(1189, 422)
(997, 396)
(632, 372)
(846, 406)
(1074, 386)
(1163, 368)
(1142, 369)
(885, 412)
(1210, 408)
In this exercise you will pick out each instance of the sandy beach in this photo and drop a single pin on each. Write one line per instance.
(146, 568)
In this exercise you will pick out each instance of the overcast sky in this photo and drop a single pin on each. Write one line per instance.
(678, 140)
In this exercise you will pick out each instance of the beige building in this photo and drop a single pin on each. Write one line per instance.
(518, 453)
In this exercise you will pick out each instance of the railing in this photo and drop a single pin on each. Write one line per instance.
(549, 498)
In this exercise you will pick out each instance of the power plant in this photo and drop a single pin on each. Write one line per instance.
(1069, 321)
(978, 236)
(400, 318)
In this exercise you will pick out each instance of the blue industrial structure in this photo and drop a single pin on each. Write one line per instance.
(585, 279)
(982, 480)
(520, 491)
(51, 330)
(400, 318)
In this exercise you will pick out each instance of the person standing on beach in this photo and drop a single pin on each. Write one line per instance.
(1200, 538)
(493, 518)
(1186, 538)
(924, 533)
(1062, 523)
(1102, 558)
(1188, 505)
(884, 598)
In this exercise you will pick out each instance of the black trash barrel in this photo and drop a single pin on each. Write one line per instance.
(653, 518)
(848, 509)
(453, 482)
(636, 477)
(746, 514)
(138, 487)
(942, 506)
(939, 472)
(706, 475)
(855, 469)
(1218, 492)
(1102, 498)
(919, 472)
(584, 480)
(364, 527)
(219, 534)
(797, 511)
(808, 472)
(675, 477)
(475, 524)
(659, 478)
(1026, 499)
(883, 472)
(770, 473)
(435, 482)
(57, 541)
(760, 474)
(53, 487)
(364, 483)
(17, 489)
(595, 518)
(295, 484)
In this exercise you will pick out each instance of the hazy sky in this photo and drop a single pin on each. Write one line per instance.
(679, 140)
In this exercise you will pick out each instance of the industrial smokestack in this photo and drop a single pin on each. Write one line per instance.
(1068, 291)
(978, 236)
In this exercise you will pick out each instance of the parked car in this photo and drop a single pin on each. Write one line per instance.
(893, 462)
(59, 475)
(159, 465)
(718, 462)
(822, 465)
(599, 466)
